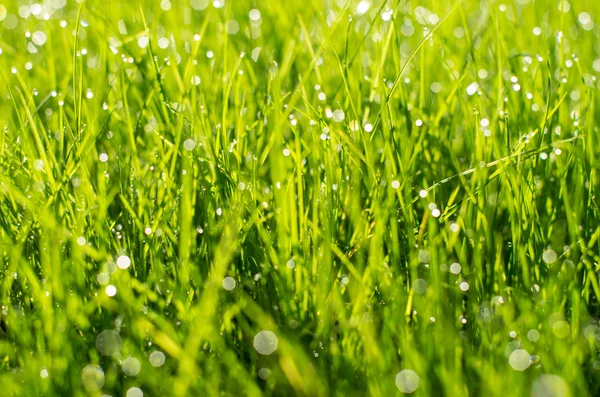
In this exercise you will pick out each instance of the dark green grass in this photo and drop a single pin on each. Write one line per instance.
(471, 142)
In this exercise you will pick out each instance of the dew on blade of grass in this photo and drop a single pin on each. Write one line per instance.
(472, 88)
(232, 27)
(455, 268)
(38, 38)
(228, 283)
(338, 115)
(424, 256)
(108, 342)
(103, 278)
(199, 5)
(189, 144)
(265, 342)
(291, 263)
(533, 335)
(549, 385)
(549, 256)
(264, 373)
(407, 381)
(157, 358)
(123, 262)
(163, 42)
(564, 6)
(92, 377)
(464, 286)
(254, 14)
(44, 373)
(134, 392)
(111, 290)
(131, 366)
(345, 280)
(143, 41)
(561, 329)
(362, 7)
(419, 286)
(519, 360)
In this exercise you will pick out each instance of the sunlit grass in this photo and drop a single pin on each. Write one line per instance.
(299, 198)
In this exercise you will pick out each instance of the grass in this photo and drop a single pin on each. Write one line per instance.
(404, 195)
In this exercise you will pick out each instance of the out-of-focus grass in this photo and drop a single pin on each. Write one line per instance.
(388, 186)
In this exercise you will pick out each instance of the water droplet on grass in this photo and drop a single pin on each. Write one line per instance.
(264, 373)
(436, 87)
(163, 43)
(254, 14)
(455, 268)
(362, 7)
(92, 377)
(123, 262)
(199, 5)
(420, 286)
(549, 256)
(228, 283)
(338, 115)
(548, 385)
(519, 360)
(111, 290)
(135, 392)
(232, 27)
(103, 278)
(157, 358)
(407, 381)
(189, 144)
(533, 335)
(108, 342)
(38, 38)
(472, 88)
(131, 366)
(265, 342)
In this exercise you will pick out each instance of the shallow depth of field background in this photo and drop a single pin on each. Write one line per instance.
(311, 198)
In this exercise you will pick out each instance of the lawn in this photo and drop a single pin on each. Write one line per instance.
(299, 198)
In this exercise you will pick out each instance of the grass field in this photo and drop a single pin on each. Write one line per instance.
(310, 198)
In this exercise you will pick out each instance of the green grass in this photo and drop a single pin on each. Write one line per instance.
(385, 197)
